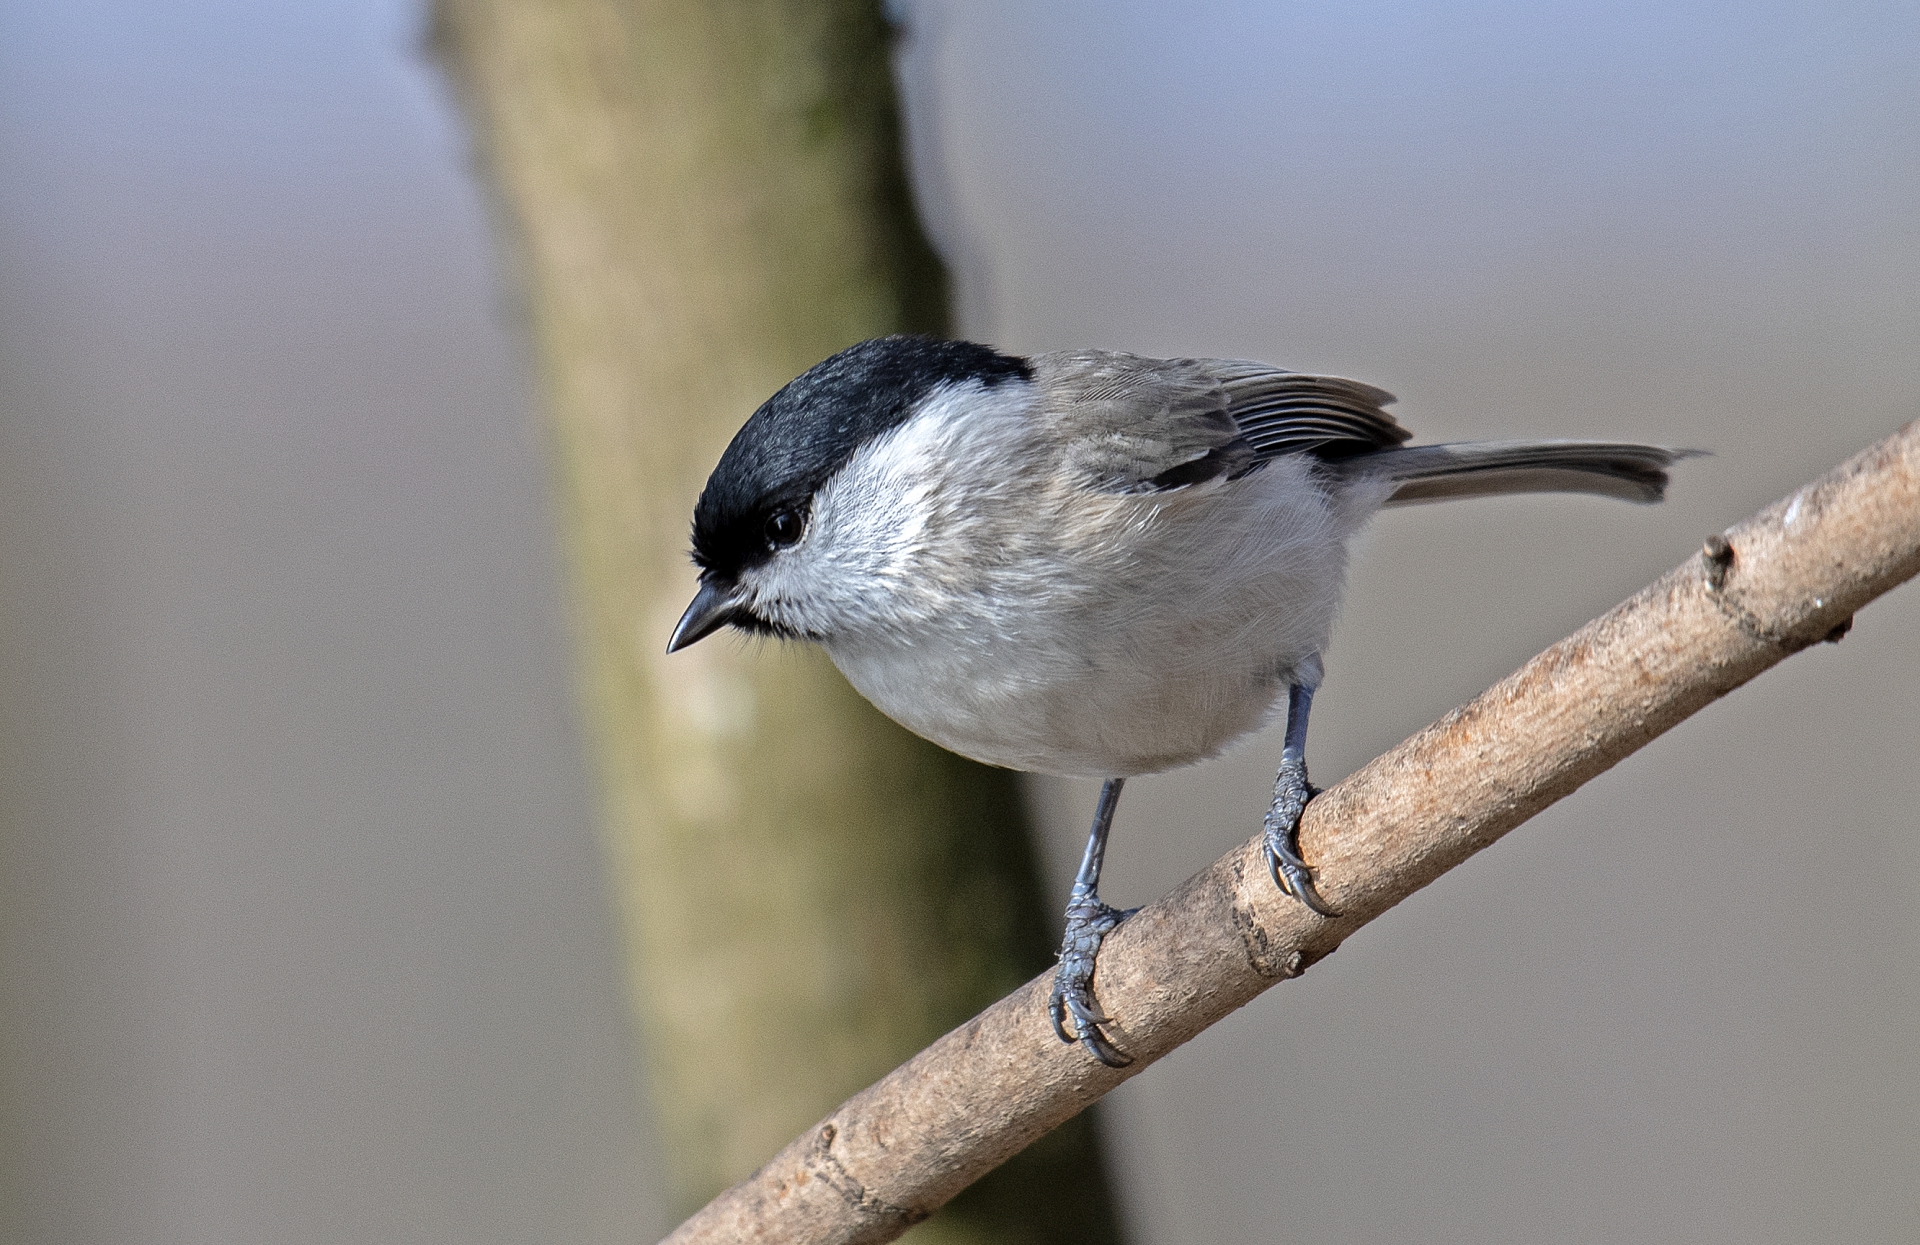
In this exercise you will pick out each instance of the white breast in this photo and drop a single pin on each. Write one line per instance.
(1018, 617)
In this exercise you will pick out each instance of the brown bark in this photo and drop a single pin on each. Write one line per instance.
(1789, 577)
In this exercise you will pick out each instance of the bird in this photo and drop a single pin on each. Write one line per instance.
(1084, 562)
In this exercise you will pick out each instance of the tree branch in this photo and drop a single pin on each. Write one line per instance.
(1789, 577)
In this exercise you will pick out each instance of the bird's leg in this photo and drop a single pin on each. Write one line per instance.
(1291, 791)
(1088, 920)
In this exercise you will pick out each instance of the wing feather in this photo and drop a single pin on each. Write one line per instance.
(1136, 424)
(1282, 412)
(1132, 424)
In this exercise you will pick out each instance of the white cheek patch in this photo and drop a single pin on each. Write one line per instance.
(869, 541)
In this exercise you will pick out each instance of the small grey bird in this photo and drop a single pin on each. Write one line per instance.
(1085, 562)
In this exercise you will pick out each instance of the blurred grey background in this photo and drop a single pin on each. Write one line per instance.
(301, 931)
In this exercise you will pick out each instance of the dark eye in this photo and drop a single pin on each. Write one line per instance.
(783, 527)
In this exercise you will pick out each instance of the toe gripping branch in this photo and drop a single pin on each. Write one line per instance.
(1291, 791)
(1075, 1012)
(1088, 922)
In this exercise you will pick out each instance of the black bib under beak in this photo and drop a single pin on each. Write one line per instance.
(714, 606)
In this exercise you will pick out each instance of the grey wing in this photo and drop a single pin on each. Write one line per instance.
(1283, 412)
(1136, 424)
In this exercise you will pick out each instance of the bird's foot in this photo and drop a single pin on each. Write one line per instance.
(1088, 922)
(1291, 791)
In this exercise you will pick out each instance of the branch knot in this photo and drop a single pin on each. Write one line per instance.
(828, 1169)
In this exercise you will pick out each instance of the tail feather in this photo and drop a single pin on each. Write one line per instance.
(1424, 473)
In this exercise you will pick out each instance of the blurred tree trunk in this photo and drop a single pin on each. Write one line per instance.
(707, 198)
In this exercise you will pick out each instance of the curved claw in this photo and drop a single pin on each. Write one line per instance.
(1284, 862)
(1097, 1045)
(1057, 1012)
(1280, 852)
(1292, 876)
(1088, 923)
(1273, 871)
(1088, 1022)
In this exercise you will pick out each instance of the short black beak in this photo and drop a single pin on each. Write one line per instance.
(714, 606)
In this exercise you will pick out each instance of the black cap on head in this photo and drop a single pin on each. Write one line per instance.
(803, 434)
